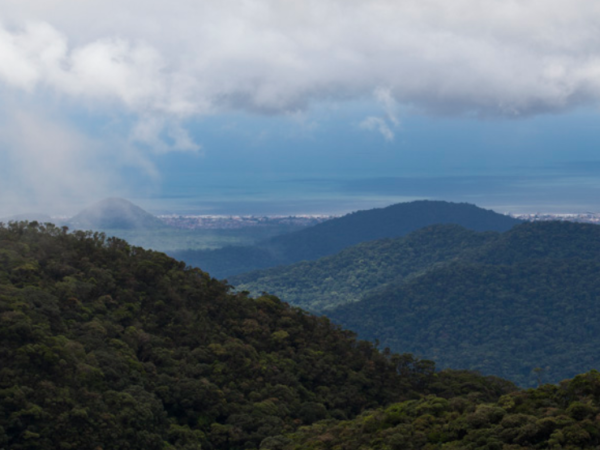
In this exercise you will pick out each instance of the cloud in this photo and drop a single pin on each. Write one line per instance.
(49, 164)
(385, 98)
(265, 56)
(148, 131)
(153, 66)
(378, 124)
(385, 124)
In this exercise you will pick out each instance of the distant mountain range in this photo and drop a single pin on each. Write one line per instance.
(502, 303)
(334, 235)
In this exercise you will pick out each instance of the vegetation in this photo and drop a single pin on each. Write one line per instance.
(356, 271)
(334, 235)
(526, 299)
(109, 346)
(550, 417)
(500, 303)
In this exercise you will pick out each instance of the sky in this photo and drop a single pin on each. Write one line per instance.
(292, 107)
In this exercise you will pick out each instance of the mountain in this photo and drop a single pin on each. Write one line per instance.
(354, 272)
(334, 235)
(105, 345)
(525, 299)
(115, 213)
(549, 417)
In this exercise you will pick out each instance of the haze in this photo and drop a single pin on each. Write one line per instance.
(272, 107)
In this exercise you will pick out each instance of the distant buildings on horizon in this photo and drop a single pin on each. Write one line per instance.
(191, 222)
(587, 217)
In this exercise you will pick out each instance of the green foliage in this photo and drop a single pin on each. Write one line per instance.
(551, 417)
(105, 345)
(354, 272)
(523, 305)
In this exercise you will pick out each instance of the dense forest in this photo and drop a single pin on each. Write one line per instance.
(105, 345)
(565, 417)
(502, 303)
(527, 299)
(334, 235)
(355, 272)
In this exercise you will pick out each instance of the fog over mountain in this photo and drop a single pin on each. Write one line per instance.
(115, 213)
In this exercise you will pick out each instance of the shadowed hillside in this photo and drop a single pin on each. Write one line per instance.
(334, 235)
(354, 272)
(528, 298)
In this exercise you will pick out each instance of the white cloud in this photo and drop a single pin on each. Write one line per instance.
(385, 98)
(378, 124)
(385, 124)
(148, 132)
(49, 164)
(490, 58)
(161, 63)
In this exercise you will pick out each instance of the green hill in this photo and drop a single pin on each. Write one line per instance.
(115, 214)
(334, 235)
(108, 346)
(352, 273)
(550, 417)
(528, 298)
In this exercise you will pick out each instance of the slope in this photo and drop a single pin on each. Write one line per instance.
(115, 213)
(330, 237)
(104, 345)
(528, 299)
(550, 417)
(350, 274)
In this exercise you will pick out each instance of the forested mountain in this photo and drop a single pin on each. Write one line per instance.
(330, 237)
(104, 345)
(527, 299)
(354, 272)
(115, 213)
(550, 417)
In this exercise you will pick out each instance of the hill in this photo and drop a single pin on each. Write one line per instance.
(550, 417)
(105, 345)
(115, 213)
(527, 299)
(334, 235)
(352, 273)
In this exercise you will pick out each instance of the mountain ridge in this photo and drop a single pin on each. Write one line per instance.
(336, 234)
(526, 299)
(350, 274)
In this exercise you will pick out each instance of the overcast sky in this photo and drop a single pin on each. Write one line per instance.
(299, 106)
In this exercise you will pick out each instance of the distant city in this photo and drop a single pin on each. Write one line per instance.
(217, 222)
(587, 217)
(224, 222)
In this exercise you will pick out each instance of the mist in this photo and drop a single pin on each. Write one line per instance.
(145, 70)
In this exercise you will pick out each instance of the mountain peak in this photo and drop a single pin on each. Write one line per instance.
(115, 213)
